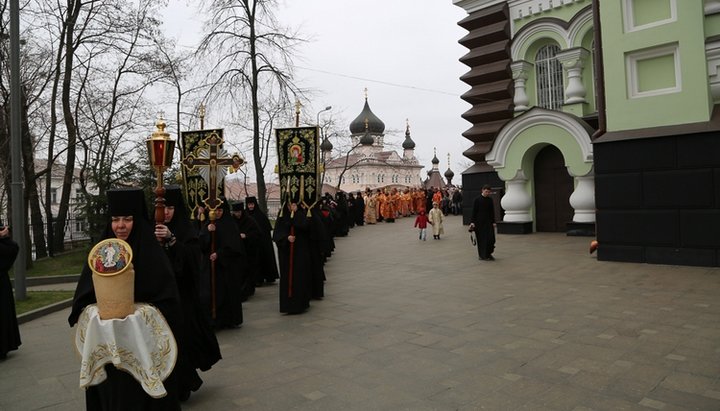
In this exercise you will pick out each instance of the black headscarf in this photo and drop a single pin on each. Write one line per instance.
(180, 224)
(154, 278)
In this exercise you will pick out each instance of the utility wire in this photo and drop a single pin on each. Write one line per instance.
(377, 81)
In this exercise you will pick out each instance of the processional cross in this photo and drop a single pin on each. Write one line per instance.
(214, 162)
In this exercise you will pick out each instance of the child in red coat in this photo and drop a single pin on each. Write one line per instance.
(421, 222)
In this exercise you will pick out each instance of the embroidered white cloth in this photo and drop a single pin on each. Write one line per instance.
(141, 344)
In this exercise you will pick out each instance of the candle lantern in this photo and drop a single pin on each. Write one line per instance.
(160, 150)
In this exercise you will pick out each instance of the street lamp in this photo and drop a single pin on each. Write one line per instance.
(318, 114)
(317, 118)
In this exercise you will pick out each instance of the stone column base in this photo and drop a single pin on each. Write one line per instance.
(504, 227)
(581, 229)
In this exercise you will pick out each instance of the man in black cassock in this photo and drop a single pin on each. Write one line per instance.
(483, 223)
(292, 236)
(266, 259)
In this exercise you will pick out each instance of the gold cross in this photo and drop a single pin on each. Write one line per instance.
(212, 162)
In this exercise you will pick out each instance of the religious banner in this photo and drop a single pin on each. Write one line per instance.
(298, 164)
(204, 166)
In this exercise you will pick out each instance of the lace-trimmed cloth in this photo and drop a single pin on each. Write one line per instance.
(141, 344)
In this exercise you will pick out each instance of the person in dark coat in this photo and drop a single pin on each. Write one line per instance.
(267, 262)
(182, 246)
(341, 217)
(318, 249)
(9, 331)
(483, 223)
(291, 235)
(351, 218)
(228, 259)
(154, 284)
(250, 238)
(359, 209)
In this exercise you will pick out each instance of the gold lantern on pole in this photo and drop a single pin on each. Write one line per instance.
(160, 149)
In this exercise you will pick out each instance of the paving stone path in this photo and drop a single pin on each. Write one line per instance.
(413, 325)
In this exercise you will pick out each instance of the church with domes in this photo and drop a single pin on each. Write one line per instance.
(369, 164)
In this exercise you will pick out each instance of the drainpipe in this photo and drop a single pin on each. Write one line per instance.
(599, 72)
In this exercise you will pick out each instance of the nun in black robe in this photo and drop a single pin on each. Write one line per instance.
(230, 260)
(182, 246)
(359, 209)
(341, 215)
(326, 216)
(266, 259)
(291, 234)
(318, 249)
(250, 238)
(9, 331)
(154, 284)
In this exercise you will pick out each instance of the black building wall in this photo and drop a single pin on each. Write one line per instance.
(658, 200)
(472, 186)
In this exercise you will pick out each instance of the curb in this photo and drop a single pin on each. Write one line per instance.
(42, 311)
(48, 280)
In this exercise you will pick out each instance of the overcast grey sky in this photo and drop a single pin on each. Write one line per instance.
(404, 51)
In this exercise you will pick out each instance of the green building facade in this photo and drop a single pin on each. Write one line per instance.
(598, 118)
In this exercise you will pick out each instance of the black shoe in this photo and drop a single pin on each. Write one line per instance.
(491, 258)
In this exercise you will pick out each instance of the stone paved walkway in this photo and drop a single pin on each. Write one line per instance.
(411, 325)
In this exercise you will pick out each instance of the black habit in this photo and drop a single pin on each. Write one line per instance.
(267, 262)
(154, 284)
(9, 331)
(229, 270)
(203, 350)
(295, 264)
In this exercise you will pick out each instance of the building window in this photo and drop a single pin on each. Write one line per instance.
(644, 14)
(53, 195)
(654, 72)
(549, 76)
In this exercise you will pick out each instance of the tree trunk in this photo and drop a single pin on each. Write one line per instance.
(257, 159)
(31, 191)
(5, 158)
(72, 12)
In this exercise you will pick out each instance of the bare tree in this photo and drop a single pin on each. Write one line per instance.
(254, 62)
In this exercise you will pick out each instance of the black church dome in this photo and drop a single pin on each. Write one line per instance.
(408, 144)
(449, 173)
(326, 145)
(374, 124)
(367, 139)
(435, 159)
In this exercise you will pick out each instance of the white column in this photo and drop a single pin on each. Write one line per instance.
(582, 199)
(573, 61)
(517, 201)
(520, 70)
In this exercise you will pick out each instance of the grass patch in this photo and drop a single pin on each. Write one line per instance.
(70, 262)
(37, 299)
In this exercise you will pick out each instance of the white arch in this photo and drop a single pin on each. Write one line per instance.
(522, 42)
(578, 28)
(538, 116)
